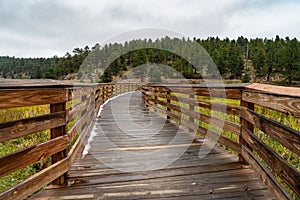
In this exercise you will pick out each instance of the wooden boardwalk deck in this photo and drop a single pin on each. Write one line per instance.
(140, 156)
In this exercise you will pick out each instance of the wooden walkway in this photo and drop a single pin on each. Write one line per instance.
(135, 154)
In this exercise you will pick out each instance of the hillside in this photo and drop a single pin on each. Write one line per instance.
(256, 60)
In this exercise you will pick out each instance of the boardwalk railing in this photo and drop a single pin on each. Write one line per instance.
(72, 109)
(258, 122)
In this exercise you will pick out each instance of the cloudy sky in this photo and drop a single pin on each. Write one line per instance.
(35, 28)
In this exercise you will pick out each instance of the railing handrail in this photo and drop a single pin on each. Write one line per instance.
(282, 99)
(57, 94)
(89, 97)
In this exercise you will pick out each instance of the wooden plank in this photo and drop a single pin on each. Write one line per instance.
(212, 135)
(210, 92)
(204, 85)
(31, 83)
(218, 174)
(175, 175)
(220, 107)
(288, 174)
(14, 161)
(268, 178)
(287, 136)
(79, 142)
(226, 125)
(31, 97)
(35, 182)
(287, 105)
(162, 173)
(23, 127)
(219, 93)
(76, 110)
(183, 185)
(259, 194)
(281, 90)
(76, 93)
(80, 123)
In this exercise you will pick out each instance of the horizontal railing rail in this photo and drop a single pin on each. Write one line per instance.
(248, 119)
(71, 110)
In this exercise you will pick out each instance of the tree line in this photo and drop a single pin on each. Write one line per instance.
(276, 59)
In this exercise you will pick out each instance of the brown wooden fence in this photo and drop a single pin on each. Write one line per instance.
(247, 119)
(70, 105)
(235, 116)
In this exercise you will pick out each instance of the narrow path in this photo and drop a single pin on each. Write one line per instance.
(133, 153)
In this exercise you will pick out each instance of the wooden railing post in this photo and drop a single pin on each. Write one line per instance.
(245, 124)
(145, 98)
(155, 90)
(168, 104)
(104, 93)
(56, 132)
(114, 90)
(191, 108)
(117, 89)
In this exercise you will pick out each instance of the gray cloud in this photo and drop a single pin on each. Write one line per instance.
(45, 28)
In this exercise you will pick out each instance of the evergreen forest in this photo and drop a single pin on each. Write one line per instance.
(274, 60)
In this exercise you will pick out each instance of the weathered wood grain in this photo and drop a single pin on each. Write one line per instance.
(286, 172)
(221, 92)
(31, 97)
(287, 136)
(56, 95)
(266, 175)
(32, 154)
(217, 174)
(221, 123)
(79, 144)
(205, 132)
(35, 182)
(284, 104)
(57, 132)
(75, 111)
(245, 123)
(220, 107)
(281, 90)
(76, 93)
(80, 124)
(23, 127)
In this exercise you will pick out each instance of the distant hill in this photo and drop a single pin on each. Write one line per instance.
(260, 60)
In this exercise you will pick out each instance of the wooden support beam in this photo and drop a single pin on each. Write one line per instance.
(56, 132)
(192, 109)
(246, 124)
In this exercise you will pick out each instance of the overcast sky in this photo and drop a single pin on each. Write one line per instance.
(35, 28)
